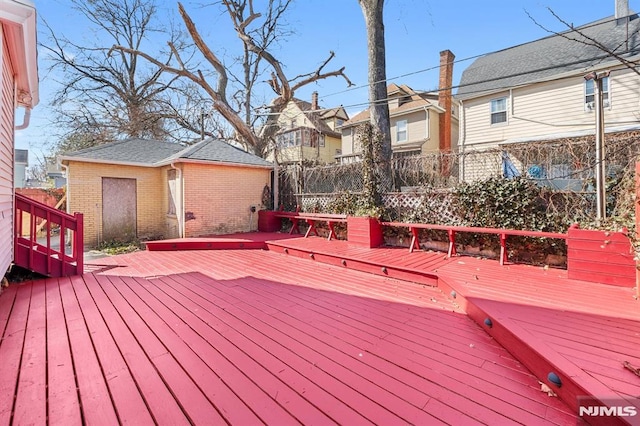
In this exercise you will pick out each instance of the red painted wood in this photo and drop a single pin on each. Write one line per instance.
(92, 386)
(63, 404)
(213, 393)
(233, 358)
(601, 256)
(31, 397)
(364, 231)
(191, 399)
(30, 254)
(268, 221)
(271, 317)
(11, 351)
(154, 390)
(330, 373)
(123, 388)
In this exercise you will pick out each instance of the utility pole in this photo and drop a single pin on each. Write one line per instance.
(599, 169)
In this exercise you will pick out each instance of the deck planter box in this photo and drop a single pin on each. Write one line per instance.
(364, 231)
(600, 256)
(268, 222)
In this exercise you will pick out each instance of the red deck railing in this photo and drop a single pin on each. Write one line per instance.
(46, 240)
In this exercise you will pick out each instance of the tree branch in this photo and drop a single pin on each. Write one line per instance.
(586, 40)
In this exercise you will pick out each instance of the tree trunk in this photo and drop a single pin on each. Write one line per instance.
(379, 107)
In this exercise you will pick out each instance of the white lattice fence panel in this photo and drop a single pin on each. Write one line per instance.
(316, 202)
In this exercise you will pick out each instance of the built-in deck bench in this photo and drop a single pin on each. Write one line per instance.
(415, 228)
(311, 219)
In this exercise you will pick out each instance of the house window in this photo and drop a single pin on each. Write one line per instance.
(339, 122)
(321, 141)
(173, 191)
(499, 111)
(401, 131)
(590, 93)
(306, 138)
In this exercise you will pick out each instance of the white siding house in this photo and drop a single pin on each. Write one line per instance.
(19, 89)
(537, 91)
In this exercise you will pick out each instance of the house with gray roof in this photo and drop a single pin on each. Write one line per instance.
(138, 189)
(537, 92)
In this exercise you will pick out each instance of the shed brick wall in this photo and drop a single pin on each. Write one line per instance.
(219, 198)
(85, 196)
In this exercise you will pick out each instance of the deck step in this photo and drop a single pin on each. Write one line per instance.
(503, 322)
(385, 269)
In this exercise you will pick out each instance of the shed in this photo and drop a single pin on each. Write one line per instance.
(149, 189)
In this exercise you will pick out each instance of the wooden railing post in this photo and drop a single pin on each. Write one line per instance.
(452, 242)
(78, 243)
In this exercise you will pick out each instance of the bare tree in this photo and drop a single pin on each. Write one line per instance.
(245, 20)
(379, 107)
(112, 95)
(579, 36)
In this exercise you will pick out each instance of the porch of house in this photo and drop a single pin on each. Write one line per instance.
(315, 332)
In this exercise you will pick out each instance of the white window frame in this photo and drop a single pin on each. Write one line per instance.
(590, 94)
(494, 102)
(404, 131)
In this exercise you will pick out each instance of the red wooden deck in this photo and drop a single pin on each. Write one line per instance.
(248, 337)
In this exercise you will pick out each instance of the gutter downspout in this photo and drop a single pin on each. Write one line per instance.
(427, 119)
(462, 136)
(25, 120)
(180, 206)
(68, 192)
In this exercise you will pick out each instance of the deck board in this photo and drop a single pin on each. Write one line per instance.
(123, 389)
(11, 351)
(131, 347)
(31, 398)
(247, 337)
(63, 404)
(199, 353)
(92, 386)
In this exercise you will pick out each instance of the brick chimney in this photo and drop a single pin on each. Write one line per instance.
(314, 101)
(444, 98)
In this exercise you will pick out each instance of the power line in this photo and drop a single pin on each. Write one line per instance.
(582, 28)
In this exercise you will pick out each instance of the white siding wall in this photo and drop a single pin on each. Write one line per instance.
(551, 108)
(6, 160)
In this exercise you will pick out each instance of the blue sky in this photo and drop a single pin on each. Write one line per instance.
(416, 31)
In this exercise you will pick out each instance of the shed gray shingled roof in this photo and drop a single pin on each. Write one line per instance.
(215, 150)
(551, 56)
(152, 153)
(142, 151)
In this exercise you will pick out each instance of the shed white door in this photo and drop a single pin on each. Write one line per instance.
(119, 217)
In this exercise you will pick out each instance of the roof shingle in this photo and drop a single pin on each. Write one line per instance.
(551, 56)
(148, 152)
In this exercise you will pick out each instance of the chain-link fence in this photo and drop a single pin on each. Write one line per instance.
(563, 167)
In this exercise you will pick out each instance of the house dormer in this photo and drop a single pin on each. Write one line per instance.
(398, 95)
